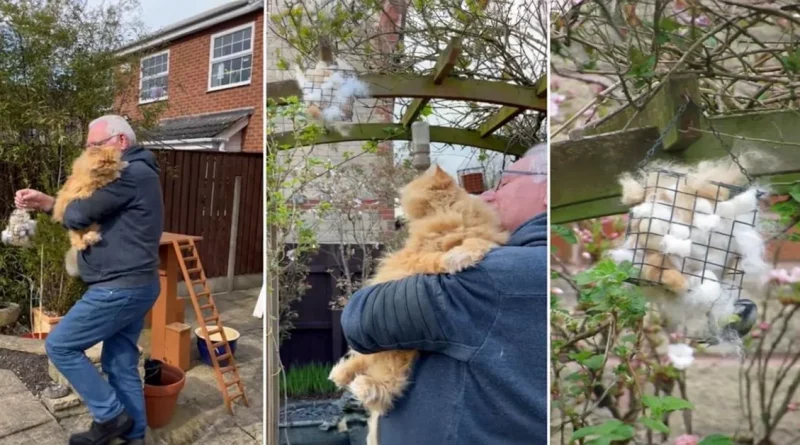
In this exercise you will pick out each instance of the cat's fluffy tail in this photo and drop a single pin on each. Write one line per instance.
(71, 262)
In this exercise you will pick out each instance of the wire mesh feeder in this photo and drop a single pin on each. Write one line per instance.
(471, 180)
(697, 241)
(21, 227)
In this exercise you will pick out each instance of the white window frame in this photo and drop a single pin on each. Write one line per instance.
(141, 78)
(250, 52)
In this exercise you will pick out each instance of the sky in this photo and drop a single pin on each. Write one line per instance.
(157, 14)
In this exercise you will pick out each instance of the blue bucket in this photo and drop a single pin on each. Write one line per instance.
(231, 334)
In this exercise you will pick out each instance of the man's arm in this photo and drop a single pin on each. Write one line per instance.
(448, 314)
(104, 202)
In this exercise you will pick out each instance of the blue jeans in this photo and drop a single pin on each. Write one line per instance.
(115, 317)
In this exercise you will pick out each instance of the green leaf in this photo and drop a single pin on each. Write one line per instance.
(670, 403)
(565, 233)
(655, 425)
(595, 362)
(791, 62)
(607, 432)
(716, 439)
(426, 111)
(795, 192)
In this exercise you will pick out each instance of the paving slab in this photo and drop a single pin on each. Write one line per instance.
(23, 419)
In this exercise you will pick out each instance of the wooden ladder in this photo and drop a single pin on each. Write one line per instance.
(196, 276)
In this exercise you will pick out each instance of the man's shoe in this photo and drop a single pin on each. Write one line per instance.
(103, 433)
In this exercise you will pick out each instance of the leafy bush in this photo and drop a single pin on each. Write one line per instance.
(57, 73)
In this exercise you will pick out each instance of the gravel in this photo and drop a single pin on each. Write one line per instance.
(301, 411)
(30, 368)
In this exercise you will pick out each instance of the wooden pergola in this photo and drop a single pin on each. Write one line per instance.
(514, 100)
(584, 169)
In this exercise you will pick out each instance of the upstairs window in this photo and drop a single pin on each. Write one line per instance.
(154, 76)
(231, 58)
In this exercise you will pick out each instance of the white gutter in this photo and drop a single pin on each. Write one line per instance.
(199, 26)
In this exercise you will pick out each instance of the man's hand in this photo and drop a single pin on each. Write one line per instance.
(30, 199)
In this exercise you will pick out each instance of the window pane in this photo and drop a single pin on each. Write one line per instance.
(226, 40)
(245, 75)
(247, 33)
(246, 45)
(236, 76)
(226, 50)
(236, 64)
(218, 42)
(237, 47)
(246, 60)
(217, 52)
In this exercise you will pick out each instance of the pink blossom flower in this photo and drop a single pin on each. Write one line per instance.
(557, 290)
(792, 406)
(687, 439)
(586, 255)
(782, 276)
(675, 336)
(764, 326)
(556, 100)
(614, 235)
(755, 333)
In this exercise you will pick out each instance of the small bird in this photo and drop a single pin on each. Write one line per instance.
(746, 316)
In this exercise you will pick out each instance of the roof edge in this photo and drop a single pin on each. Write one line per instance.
(194, 24)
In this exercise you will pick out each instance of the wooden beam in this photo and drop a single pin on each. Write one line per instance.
(444, 66)
(485, 91)
(584, 172)
(387, 132)
(658, 112)
(398, 86)
(498, 119)
(447, 60)
(541, 85)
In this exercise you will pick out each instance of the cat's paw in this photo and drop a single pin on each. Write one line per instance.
(91, 238)
(458, 259)
(371, 395)
(340, 375)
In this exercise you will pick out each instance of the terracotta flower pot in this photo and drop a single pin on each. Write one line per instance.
(160, 400)
(42, 322)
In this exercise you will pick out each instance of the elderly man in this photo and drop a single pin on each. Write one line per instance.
(122, 274)
(481, 377)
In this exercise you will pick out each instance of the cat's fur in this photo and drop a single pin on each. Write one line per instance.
(449, 231)
(681, 198)
(95, 168)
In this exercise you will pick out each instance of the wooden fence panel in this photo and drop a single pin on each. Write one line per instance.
(198, 188)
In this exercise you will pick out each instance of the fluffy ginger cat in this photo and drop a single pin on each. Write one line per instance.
(95, 168)
(449, 230)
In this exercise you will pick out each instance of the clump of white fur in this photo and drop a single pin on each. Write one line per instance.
(703, 231)
(331, 101)
(21, 227)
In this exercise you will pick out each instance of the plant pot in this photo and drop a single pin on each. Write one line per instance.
(9, 313)
(232, 335)
(160, 400)
(42, 322)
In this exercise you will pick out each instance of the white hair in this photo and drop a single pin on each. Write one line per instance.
(538, 154)
(116, 125)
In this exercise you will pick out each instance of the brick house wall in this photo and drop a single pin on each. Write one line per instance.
(189, 78)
